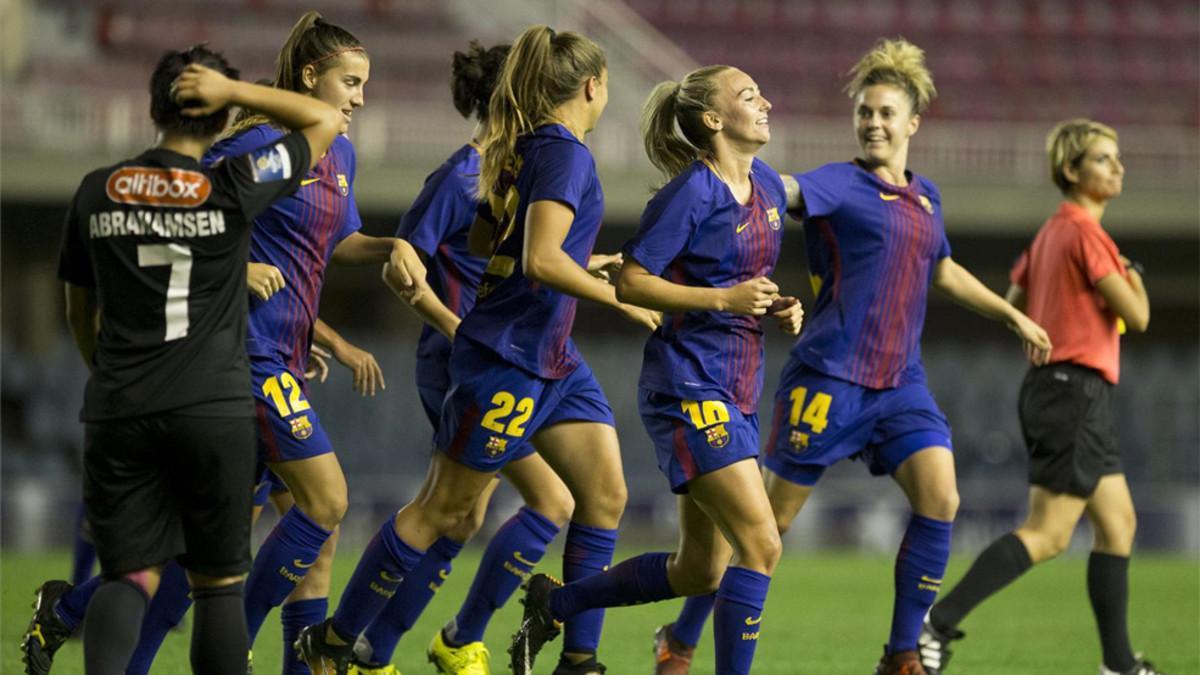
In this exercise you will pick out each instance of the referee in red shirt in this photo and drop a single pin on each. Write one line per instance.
(1075, 283)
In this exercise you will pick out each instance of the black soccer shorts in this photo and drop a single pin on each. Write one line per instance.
(1067, 421)
(167, 485)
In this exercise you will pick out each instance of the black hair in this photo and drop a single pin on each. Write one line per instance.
(473, 76)
(166, 113)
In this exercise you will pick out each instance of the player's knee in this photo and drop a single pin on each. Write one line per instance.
(603, 505)
(468, 526)
(1115, 534)
(1045, 544)
(761, 550)
(328, 511)
(944, 505)
(556, 504)
(697, 579)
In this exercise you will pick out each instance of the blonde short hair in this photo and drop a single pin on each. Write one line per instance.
(1068, 143)
(899, 63)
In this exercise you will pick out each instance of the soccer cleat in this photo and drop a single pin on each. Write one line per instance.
(1142, 667)
(588, 667)
(46, 632)
(671, 657)
(934, 647)
(323, 658)
(900, 663)
(250, 662)
(538, 626)
(469, 659)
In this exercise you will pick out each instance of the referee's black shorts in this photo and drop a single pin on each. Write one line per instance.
(1066, 418)
(170, 486)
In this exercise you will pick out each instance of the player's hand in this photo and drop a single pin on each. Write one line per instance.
(1034, 339)
(646, 318)
(200, 90)
(318, 366)
(789, 312)
(264, 280)
(404, 272)
(752, 298)
(368, 376)
(604, 266)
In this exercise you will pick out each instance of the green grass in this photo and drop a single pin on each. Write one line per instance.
(827, 614)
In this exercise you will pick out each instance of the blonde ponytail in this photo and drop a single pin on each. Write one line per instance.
(543, 70)
(675, 107)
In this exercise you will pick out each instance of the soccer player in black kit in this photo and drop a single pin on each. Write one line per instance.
(154, 259)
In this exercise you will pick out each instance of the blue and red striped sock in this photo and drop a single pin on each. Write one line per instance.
(280, 565)
(737, 618)
(412, 597)
(920, 566)
(383, 565)
(165, 611)
(294, 616)
(636, 581)
(509, 559)
(588, 551)
(692, 617)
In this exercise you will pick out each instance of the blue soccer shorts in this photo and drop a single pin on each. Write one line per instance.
(820, 420)
(493, 407)
(692, 438)
(288, 427)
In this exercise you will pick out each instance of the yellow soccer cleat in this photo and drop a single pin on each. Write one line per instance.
(469, 659)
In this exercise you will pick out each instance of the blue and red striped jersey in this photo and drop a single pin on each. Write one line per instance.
(872, 249)
(525, 323)
(693, 232)
(438, 224)
(296, 235)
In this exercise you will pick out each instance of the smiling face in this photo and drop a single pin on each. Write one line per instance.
(740, 110)
(342, 84)
(883, 123)
(1097, 175)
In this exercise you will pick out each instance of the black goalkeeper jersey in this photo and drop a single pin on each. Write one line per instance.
(164, 242)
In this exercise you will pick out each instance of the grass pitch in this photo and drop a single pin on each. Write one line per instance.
(827, 614)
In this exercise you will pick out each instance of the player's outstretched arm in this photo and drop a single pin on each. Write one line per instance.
(545, 262)
(207, 91)
(83, 318)
(956, 283)
(368, 376)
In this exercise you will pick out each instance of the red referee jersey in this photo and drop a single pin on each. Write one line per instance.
(1059, 272)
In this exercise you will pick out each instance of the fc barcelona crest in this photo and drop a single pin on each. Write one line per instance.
(798, 440)
(773, 218)
(928, 205)
(496, 446)
(717, 436)
(344, 185)
(301, 427)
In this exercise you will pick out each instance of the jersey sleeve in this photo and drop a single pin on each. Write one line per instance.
(353, 221)
(668, 223)
(563, 173)
(822, 190)
(440, 206)
(1098, 258)
(1019, 275)
(74, 261)
(261, 175)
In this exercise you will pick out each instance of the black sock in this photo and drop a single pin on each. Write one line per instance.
(219, 640)
(1108, 589)
(112, 625)
(998, 565)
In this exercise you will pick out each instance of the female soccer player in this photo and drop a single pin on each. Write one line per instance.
(1074, 281)
(437, 225)
(300, 236)
(708, 242)
(515, 373)
(156, 303)
(854, 385)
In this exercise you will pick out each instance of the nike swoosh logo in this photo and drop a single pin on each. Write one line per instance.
(753, 622)
(743, 226)
(521, 559)
(387, 577)
(302, 565)
(884, 197)
(308, 181)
